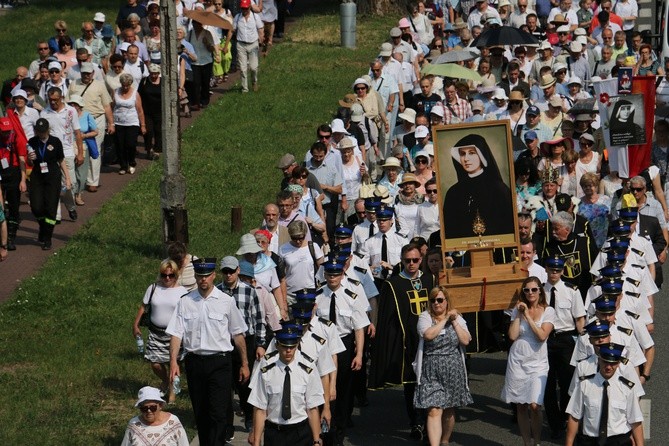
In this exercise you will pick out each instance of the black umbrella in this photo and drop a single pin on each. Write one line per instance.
(504, 35)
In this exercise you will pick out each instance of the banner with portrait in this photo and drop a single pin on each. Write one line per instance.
(627, 119)
(476, 184)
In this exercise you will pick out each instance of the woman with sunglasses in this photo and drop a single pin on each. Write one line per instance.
(441, 374)
(588, 160)
(532, 321)
(66, 53)
(153, 426)
(160, 300)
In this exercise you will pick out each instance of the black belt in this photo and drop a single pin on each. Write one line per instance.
(563, 333)
(285, 427)
(246, 43)
(213, 355)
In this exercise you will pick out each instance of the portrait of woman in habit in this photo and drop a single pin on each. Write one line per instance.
(479, 189)
(622, 128)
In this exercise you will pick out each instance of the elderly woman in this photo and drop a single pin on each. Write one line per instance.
(160, 300)
(442, 378)
(646, 66)
(112, 78)
(150, 92)
(532, 321)
(423, 172)
(309, 198)
(588, 160)
(406, 204)
(594, 207)
(89, 130)
(302, 259)
(371, 102)
(152, 42)
(153, 426)
(264, 240)
(134, 24)
(392, 177)
(128, 123)
(354, 169)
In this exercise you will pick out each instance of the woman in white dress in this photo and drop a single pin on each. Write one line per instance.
(527, 367)
(588, 160)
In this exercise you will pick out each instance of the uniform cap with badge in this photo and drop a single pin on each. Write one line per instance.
(385, 213)
(289, 335)
(333, 267)
(554, 263)
(605, 304)
(598, 329)
(611, 352)
(611, 287)
(204, 266)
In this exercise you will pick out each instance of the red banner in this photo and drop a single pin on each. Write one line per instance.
(639, 155)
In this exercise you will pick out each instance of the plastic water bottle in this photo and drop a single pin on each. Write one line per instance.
(324, 426)
(176, 385)
(140, 344)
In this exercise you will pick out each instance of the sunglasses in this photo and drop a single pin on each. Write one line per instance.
(412, 260)
(304, 177)
(43, 48)
(586, 143)
(421, 161)
(431, 191)
(360, 88)
(438, 300)
(54, 71)
(168, 276)
(151, 408)
(228, 271)
(530, 290)
(296, 239)
(324, 136)
(637, 189)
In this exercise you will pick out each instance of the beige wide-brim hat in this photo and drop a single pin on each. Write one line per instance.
(410, 178)
(516, 96)
(391, 161)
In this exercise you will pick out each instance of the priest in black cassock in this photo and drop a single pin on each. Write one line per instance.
(403, 297)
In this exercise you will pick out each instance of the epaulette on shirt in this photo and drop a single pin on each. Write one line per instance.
(624, 360)
(632, 293)
(362, 256)
(583, 378)
(637, 251)
(350, 293)
(353, 281)
(307, 357)
(631, 314)
(626, 381)
(572, 286)
(270, 355)
(305, 367)
(325, 321)
(360, 269)
(636, 265)
(400, 234)
(320, 290)
(267, 367)
(627, 331)
(318, 338)
(633, 281)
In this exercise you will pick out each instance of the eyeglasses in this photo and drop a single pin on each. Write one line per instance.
(228, 271)
(168, 276)
(530, 290)
(637, 189)
(430, 191)
(438, 300)
(360, 88)
(421, 161)
(43, 48)
(151, 408)
(412, 260)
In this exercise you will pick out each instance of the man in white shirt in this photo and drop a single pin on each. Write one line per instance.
(135, 67)
(249, 27)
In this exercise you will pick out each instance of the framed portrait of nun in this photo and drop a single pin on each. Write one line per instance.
(476, 185)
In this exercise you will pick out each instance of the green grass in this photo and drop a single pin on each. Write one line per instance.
(69, 372)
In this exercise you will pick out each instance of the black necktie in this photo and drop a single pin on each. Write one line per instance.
(285, 399)
(333, 311)
(371, 230)
(384, 256)
(553, 297)
(604, 416)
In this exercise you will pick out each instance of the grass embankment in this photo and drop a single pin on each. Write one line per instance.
(69, 372)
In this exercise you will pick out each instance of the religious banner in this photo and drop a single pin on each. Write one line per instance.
(627, 117)
(638, 156)
(625, 75)
(476, 184)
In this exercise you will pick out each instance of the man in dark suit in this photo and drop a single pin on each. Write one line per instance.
(359, 216)
(513, 81)
(650, 228)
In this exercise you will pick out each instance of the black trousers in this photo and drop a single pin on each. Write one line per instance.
(616, 440)
(560, 348)
(201, 76)
(331, 217)
(280, 24)
(242, 389)
(126, 145)
(417, 417)
(298, 434)
(44, 194)
(343, 405)
(209, 388)
(11, 178)
(154, 129)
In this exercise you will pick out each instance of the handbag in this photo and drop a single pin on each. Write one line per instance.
(145, 320)
(367, 187)
(92, 145)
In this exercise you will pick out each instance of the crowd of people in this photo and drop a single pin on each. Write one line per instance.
(101, 90)
(337, 288)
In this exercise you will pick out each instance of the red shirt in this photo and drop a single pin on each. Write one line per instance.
(11, 148)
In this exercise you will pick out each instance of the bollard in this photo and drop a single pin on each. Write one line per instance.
(236, 219)
(347, 11)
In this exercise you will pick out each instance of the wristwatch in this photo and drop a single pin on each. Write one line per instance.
(646, 377)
